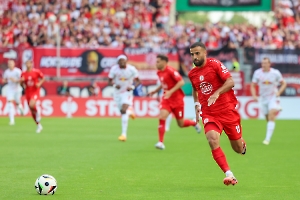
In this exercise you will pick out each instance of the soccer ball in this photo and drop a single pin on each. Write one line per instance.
(45, 184)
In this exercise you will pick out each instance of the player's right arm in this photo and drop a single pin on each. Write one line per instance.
(4, 80)
(111, 76)
(155, 91)
(253, 86)
(197, 104)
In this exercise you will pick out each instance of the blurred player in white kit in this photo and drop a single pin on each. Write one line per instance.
(12, 77)
(121, 77)
(268, 80)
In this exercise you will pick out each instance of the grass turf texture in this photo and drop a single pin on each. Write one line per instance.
(88, 161)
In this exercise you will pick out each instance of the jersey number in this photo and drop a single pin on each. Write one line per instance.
(238, 129)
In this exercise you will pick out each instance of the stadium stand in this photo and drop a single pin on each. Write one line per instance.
(136, 23)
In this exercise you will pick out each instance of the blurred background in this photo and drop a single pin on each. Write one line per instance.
(75, 42)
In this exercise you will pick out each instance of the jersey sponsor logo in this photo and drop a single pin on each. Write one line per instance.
(201, 78)
(123, 79)
(206, 88)
(266, 82)
(205, 120)
(224, 69)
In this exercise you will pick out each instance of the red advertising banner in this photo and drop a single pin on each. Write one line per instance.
(56, 106)
(145, 60)
(76, 61)
(80, 62)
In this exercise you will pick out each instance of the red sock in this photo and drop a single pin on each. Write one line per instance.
(33, 114)
(188, 122)
(220, 159)
(161, 130)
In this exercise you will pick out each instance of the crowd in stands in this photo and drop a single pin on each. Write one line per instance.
(136, 23)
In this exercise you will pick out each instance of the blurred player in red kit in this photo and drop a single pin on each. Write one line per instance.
(32, 79)
(212, 89)
(172, 100)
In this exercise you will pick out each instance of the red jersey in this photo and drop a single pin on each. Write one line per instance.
(169, 77)
(206, 80)
(30, 80)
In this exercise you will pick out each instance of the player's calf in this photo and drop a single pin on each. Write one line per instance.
(239, 146)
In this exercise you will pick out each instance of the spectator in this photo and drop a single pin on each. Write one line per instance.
(138, 90)
(64, 90)
(94, 89)
(137, 23)
(235, 65)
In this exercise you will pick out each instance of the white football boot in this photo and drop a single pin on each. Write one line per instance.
(160, 146)
(39, 128)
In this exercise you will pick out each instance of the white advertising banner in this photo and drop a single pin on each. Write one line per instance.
(56, 106)
(248, 108)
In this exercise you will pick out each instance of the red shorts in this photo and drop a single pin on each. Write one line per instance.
(229, 121)
(32, 96)
(177, 110)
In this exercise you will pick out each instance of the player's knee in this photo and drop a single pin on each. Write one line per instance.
(180, 123)
(271, 117)
(213, 139)
(31, 105)
(123, 111)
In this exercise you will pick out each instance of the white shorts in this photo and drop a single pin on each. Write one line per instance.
(123, 98)
(273, 104)
(14, 96)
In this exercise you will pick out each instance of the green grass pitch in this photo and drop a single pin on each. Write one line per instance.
(89, 163)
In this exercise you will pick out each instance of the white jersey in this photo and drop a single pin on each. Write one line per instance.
(268, 82)
(123, 77)
(13, 74)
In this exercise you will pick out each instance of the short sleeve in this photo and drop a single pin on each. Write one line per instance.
(40, 74)
(221, 70)
(19, 73)
(175, 75)
(279, 76)
(5, 74)
(135, 72)
(255, 77)
(111, 73)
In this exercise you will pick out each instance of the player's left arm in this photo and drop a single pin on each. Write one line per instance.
(41, 79)
(179, 84)
(136, 80)
(18, 80)
(225, 75)
(283, 85)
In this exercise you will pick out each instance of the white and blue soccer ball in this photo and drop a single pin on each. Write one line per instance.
(45, 185)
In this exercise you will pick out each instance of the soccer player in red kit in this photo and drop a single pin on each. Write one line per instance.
(172, 100)
(212, 89)
(32, 79)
